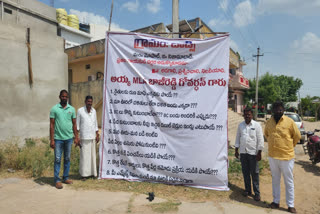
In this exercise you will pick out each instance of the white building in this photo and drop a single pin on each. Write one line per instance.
(73, 37)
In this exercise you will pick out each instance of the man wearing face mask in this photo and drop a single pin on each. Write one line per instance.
(250, 142)
(282, 135)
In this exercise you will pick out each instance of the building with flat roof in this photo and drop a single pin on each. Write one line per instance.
(86, 65)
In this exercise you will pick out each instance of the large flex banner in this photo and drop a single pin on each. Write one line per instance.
(165, 110)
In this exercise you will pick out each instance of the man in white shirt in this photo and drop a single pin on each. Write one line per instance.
(250, 142)
(89, 135)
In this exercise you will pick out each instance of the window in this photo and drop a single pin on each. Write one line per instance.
(232, 71)
(88, 66)
(69, 76)
(6, 10)
(91, 78)
(294, 117)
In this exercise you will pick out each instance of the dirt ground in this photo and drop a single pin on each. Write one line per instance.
(25, 196)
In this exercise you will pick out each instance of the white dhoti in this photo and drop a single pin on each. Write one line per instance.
(88, 166)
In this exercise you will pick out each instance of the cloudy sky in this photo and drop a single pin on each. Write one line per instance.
(287, 31)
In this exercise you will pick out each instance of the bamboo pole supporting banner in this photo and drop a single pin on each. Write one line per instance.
(29, 59)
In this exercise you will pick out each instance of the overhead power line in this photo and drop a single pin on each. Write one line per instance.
(257, 81)
(246, 39)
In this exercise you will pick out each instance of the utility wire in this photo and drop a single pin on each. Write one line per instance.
(248, 27)
(228, 16)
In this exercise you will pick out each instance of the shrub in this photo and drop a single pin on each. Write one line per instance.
(235, 166)
(311, 119)
(34, 158)
(75, 160)
(9, 154)
(30, 142)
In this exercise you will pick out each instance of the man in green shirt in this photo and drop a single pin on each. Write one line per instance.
(62, 130)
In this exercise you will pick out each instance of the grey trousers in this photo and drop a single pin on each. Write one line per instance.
(250, 170)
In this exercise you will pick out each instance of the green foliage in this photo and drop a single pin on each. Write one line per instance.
(45, 140)
(263, 164)
(30, 142)
(34, 158)
(272, 88)
(164, 207)
(309, 107)
(235, 166)
(9, 152)
(311, 120)
(1, 158)
(75, 160)
(287, 88)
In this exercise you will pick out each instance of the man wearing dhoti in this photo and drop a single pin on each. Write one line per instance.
(89, 135)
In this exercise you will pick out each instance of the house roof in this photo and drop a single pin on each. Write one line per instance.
(190, 25)
(160, 27)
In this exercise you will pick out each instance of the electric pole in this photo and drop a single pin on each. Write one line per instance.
(300, 105)
(110, 16)
(175, 18)
(257, 83)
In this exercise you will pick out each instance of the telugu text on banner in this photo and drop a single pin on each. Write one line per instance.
(165, 110)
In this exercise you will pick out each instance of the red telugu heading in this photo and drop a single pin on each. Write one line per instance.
(151, 43)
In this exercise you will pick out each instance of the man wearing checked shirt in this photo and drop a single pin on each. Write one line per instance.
(282, 135)
(250, 142)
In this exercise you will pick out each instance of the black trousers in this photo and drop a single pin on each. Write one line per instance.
(250, 170)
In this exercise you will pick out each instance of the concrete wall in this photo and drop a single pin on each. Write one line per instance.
(79, 91)
(32, 14)
(80, 73)
(236, 101)
(74, 39)
(24, 110)
(99, 31)
(34, 6)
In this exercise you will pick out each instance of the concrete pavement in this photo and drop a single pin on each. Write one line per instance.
(24, 196)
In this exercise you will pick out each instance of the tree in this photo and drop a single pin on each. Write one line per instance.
(287, 88)
(307, 106)
(272, 88)
(310, 106)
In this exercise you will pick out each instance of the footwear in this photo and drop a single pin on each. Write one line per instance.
(274, 205)
(68, 181)
(59, 185)
(246, 194)
(83, 178)
(257, 197)
(292, 210)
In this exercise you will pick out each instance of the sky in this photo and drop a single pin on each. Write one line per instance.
(287, 31)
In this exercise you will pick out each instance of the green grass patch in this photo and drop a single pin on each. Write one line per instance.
(231, 152)
(30, 142)
(170, 192)
(264, 167)
(35, 158)
(235, 166)
(311, 120)
(164, 207)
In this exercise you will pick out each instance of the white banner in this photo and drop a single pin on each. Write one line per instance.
(165, 110)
